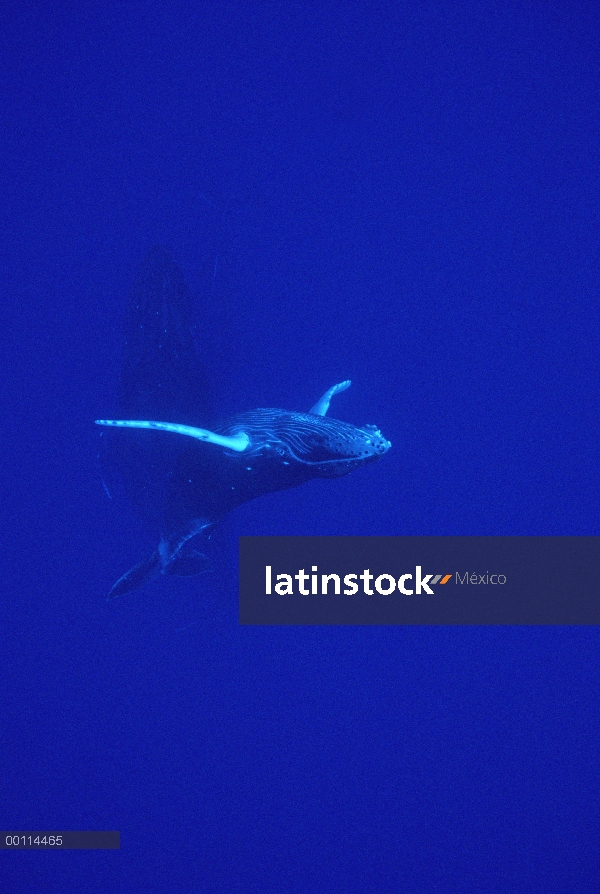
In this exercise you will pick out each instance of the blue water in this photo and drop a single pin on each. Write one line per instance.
(405, 195)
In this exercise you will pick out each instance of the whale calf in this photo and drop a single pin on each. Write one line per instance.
(214, 470)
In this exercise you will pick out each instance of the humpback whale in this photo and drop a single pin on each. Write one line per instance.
(197, 475)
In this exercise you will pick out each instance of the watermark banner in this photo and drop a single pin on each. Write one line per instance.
(419, 580)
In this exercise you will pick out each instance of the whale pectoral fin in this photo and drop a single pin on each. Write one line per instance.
(177, 555)
(188, 563)
(180, 552)
(322, 405)
(238, 442)
(137, 576)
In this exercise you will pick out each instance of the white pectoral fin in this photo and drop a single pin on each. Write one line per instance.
(238, 442)
(322, 405)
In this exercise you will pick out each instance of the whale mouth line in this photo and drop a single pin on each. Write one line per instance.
(336, 460)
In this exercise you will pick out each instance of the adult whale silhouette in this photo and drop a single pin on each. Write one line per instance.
(203, 474)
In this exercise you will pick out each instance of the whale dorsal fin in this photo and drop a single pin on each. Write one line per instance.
(322, 405)
(238, 442)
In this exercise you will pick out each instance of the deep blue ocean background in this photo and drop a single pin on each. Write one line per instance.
(403, 194)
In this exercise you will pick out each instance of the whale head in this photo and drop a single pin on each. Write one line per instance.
(324, 447)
